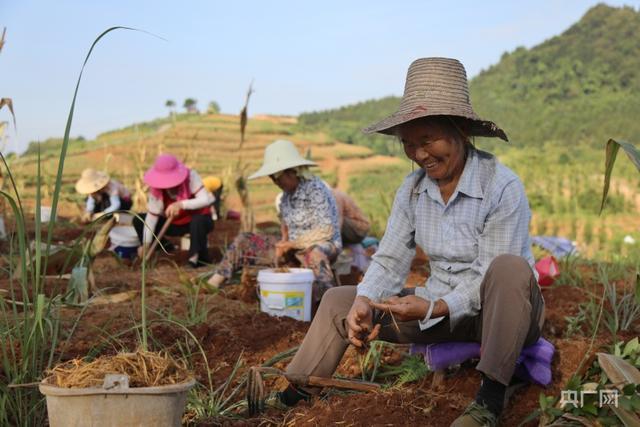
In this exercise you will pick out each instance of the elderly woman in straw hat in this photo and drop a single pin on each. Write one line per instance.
(104, 195)
(176, 193)
(470, 214)
(309, 222)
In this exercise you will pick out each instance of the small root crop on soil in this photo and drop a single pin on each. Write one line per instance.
(145, 369)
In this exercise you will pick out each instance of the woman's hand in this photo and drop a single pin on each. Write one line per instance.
(86, 217)
(282, 247)
(360, 329)
(173, 209)
(411, 307)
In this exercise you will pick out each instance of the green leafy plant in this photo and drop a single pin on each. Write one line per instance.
(629, 351)
(612, 149)
(196, 310)
(572, 270)
(581, 395)
(624, 304)
(546, 411)
(586, 320)
(370, 362)
(208, 403)
(214, 405)
(411, 369)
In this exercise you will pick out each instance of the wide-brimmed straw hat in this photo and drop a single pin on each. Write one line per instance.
(91, 181)
(437, 87)
(278, 156)
(166, 172)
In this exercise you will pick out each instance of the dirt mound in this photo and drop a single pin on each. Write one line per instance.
(416, 405)
(228, 329)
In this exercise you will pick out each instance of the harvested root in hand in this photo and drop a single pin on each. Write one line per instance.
(282, 270)
(145, 369)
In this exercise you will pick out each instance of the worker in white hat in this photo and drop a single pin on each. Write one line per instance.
(309, 222)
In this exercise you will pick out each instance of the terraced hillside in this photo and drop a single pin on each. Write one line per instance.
(210, 144)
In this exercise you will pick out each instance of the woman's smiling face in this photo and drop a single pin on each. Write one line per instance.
(435, 147)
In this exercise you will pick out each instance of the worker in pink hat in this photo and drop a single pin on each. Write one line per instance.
(177, 193)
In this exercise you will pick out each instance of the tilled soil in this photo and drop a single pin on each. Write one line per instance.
(228, 329)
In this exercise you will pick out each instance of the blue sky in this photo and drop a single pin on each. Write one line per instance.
(302, 56)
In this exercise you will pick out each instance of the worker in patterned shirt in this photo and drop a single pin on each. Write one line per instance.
(310, 234)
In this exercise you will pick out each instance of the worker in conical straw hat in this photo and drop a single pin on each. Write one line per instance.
(310, 235)
(176, 192)
(104, 194)
(470, 214)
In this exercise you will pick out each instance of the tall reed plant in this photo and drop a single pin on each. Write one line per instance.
(29, 320)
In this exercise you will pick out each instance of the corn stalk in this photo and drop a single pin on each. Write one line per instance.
(140, 195)
(248, 218)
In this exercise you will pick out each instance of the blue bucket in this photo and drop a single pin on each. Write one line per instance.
(126, 252)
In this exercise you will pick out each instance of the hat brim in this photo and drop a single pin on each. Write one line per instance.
(162, 181)
(270, 169)
(89, 187)
(474, 126)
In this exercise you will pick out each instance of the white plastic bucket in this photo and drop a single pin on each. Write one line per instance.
(45, 213)
(124, 235)
(145, 406)
(286, 294)
(185, 242)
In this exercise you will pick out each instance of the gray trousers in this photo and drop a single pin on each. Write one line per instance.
(511, 318)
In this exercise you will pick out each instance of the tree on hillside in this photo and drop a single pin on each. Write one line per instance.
(171, 105)
(214, 108)
(190, 105)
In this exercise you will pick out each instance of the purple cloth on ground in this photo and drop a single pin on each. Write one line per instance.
(533, 364)
(558, 246)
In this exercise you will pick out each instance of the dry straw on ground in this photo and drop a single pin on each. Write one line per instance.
(145, 369)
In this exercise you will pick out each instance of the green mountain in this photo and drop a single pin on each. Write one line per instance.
(345, 123)
(581, 86)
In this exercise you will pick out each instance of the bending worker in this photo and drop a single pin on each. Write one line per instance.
(104, 195)
(177, 193)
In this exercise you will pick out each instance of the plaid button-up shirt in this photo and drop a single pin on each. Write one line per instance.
(487, 215)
